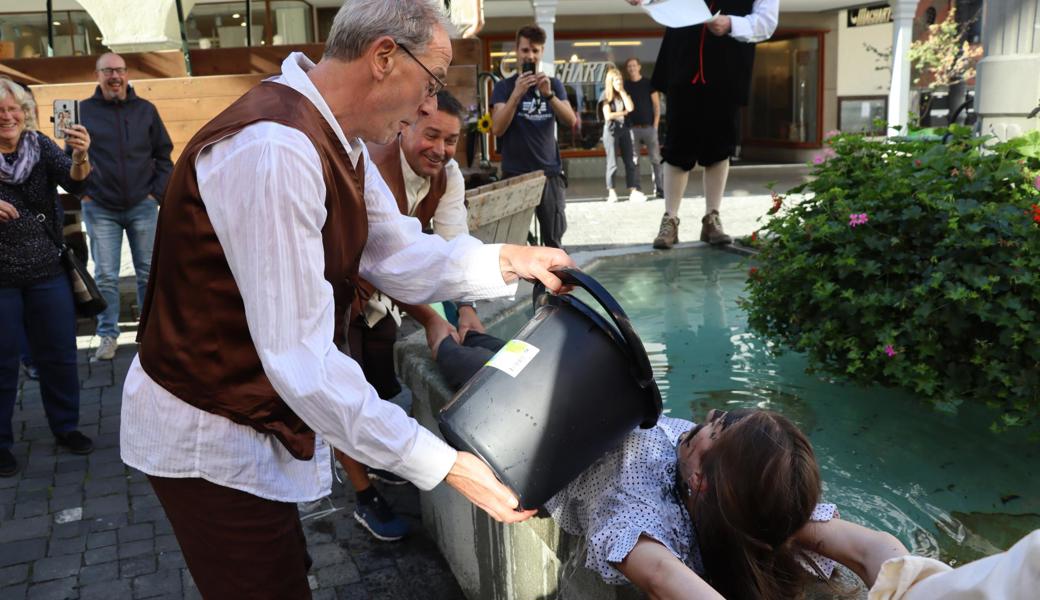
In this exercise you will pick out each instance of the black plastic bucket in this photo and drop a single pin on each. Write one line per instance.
(558, 396)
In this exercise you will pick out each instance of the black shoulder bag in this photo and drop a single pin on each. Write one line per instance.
(85, 293)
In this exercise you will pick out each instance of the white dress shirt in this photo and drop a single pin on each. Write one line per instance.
(264, 193)
(450, 220)
(757, 26)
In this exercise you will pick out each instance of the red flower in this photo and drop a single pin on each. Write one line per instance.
(1036, 213)
(917, 163)
(753, 272)
(754, 234)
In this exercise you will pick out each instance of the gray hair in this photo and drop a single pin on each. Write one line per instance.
(361, 22)
(24, 99)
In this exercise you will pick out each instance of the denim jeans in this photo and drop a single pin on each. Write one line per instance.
(46, 313)
(105, 228)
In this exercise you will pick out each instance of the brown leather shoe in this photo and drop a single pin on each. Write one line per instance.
(668, 235)
(711, 230)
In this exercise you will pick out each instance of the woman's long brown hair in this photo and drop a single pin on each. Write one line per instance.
(762, 484)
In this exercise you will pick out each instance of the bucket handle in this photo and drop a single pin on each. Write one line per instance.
(574, 276)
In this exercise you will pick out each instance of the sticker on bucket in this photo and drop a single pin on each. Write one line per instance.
(513, 357)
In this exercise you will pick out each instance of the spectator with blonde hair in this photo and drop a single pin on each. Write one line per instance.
(617, 136)
(35, 294)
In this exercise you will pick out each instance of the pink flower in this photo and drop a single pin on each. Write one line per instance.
(831, 134)
(890, 351)
(858, 219)
(1036, 182)
(818, 159)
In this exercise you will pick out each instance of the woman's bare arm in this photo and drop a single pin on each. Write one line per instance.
(654, 569)
(859, 548)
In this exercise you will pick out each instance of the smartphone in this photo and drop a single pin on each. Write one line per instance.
(66, 114)
(527, 67)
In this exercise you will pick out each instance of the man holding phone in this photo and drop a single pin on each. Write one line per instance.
(526, 108)
(131, 157)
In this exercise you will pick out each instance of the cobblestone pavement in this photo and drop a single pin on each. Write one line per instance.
(90, 527)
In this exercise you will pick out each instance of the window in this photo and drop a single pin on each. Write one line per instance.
(223, 25)
(785, 107)
(24, 35)
(857, 114)
(581, 64)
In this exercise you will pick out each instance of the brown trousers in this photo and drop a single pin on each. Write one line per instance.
(236, 545)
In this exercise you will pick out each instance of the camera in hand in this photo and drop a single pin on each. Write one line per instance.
(528, 67)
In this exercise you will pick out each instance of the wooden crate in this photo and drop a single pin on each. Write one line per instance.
(501, 212)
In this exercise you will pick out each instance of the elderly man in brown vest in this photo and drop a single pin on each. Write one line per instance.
(272, 212)
(420, 170)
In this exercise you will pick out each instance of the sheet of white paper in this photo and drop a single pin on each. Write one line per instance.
(677, 13)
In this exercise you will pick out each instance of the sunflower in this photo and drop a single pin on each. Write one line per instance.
(484, 123)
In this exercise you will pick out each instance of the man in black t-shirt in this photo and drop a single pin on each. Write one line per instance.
(526, 108)
(644, 119)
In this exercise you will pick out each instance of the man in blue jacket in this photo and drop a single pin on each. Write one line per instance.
(131, 158)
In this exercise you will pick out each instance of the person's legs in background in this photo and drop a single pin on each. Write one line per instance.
(675, 179)
(140, 232)
(715, 176)
(372, 348)
(27, 363)
(50, 323)
(11, 305)
(610, 149)
(105, 229)
(624, 142)
(647, 136)
(551, 212)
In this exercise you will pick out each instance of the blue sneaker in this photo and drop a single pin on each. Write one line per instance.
(386, 477)
(379, 519)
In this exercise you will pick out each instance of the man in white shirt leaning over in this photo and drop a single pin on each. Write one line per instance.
(272, 212)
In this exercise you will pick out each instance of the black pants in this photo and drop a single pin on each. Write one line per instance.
(552, 220)
(619, 137)
(457, 363)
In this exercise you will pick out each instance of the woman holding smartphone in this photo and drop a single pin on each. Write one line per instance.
(34, 288)
(617, 135)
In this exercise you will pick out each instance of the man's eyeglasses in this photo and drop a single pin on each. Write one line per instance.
(433, 87)
(109, 71)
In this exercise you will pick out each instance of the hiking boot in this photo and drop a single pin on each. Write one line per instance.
(379, 519)
(76, 442)
(611, 196)
(636, 196)
(385, 476)
(8, 463)
(668, 235)
(107, 349)
(711, 230)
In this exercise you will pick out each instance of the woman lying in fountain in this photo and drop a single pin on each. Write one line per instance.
(727, 508)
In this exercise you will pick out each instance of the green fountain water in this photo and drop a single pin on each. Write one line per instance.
(943, 483)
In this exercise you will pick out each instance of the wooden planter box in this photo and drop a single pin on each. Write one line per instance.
(500, 212)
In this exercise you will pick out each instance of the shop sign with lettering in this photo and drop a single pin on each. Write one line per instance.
(576, 73)
(877, 14)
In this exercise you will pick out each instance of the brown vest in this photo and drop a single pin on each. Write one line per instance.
(194, 339)
(388, 158)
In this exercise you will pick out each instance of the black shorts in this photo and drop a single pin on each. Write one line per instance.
(700, 129)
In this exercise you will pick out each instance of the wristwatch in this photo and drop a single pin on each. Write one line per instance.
(459, 305)
(549, 96)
